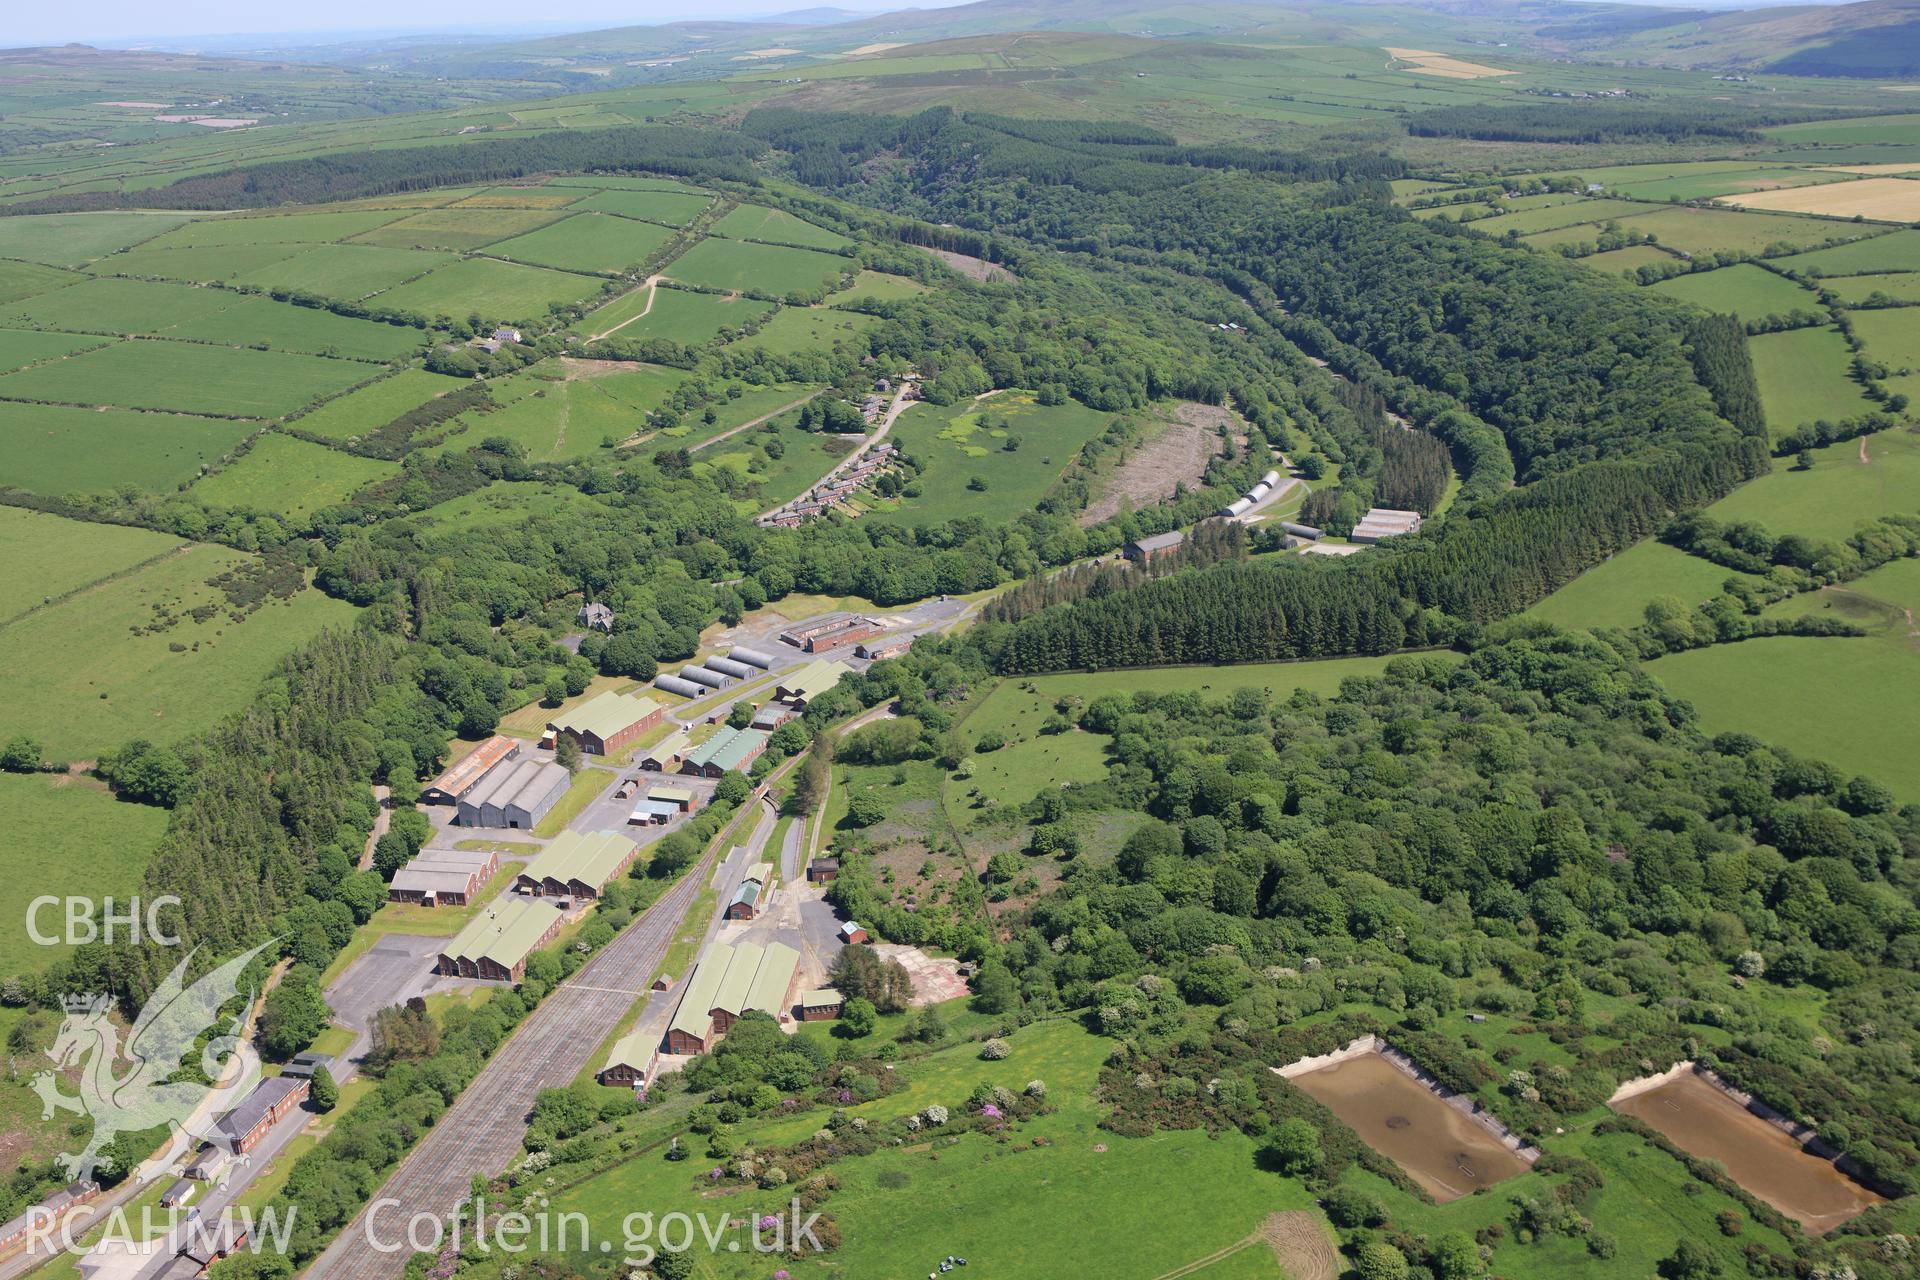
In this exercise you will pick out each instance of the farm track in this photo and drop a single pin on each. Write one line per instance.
(652, 285)
(1299, 1245)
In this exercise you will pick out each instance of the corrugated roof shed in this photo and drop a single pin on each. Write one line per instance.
(769, 990)
(672, 794)
(728, 749)
(508, 924)
(732, 995)
(590, 858)
(821, 997)
(748, 892)
(674, 744)
(634, 1049)
(812, 680)
(696, 999)
(416, 879)
(606, 715)
(1160, 541)
(469, 769)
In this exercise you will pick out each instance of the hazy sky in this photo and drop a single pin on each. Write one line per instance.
(119, 20)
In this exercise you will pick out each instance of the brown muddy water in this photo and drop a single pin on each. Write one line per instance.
(1704, 1122)
(1402, 1119)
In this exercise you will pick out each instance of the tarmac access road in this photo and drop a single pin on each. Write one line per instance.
(482, 1131)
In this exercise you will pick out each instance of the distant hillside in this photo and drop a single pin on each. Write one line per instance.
(1872, 39)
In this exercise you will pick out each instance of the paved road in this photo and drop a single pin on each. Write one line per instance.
(482, 1132)
(894, 410)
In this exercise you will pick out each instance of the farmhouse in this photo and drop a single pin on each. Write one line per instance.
(515, 795)
(462, 776)
(823, 870)
(628, 1061)
(667, 754)
(603, 725)
(820, 1005)
(729, 981)
(576, 865)
(272, 1098)
(809, 682)
(725, 752)
(1144, 550)
(496, 943)
(595, 617)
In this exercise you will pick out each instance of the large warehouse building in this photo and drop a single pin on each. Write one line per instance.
(729, 981)
(462, 776)
(799, 688)
(725, 752)
(443, 877)
(516, 794)
(603, 725)
(496, 943)
(576, 865)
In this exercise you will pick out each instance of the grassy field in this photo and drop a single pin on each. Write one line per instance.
(70, 239)
(20, 347)
(99, 844)
(373, 406)
(1744, 290)
(569, 419)
(457, 229)
(162, 683)
(962, 442)
(276, 228)
(1029, 1209)
(1904, 285)
(503, 290)
(1553, 216)
(806, 456)
(222, 263)
(60, 449)
(1015, 710)
(291, 477)
(775, 226)
(23, 279)
(342, 270)
(1891, 336)
(765, 270)
(1840, 492)
(587, 242)
(797, 329)
(107, 305)
(1615, 594)
(1705, 230)
(48, 555)
(1279, 679)
(1803, 377)
(691, 319)
(303, 329)
(878, 286)
(1854, 702)
(188, 378)
(1622, 261)
(670, 208)
(1895, 251)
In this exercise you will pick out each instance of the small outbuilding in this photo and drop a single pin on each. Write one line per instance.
(821, 1005)
(1145, 550)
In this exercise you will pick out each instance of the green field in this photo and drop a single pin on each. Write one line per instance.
(375, 405)
(1629, 259)
(751, 222)
(271, 228)
(797, 329)
(1803, 377)
(1895, 251)
(285, 327)
(558, 420)
(692, 319)
(599, 243)
(21, 347)
(349, 271)
(457, 229)
(48, 556)
(289, 477)
(1724, 182)
(63, 449)
(877, 286)
(1278, 679)
(80, 699)
(1744, 290)
(1706, 230)
(1904, 285)
(1841, 492)
(1891, 336)
(100, 845)
(186, 377)
(1029, 1210)
(70, 239)
(1854, 703)
(107, 305)
(958, 443)
(23, 279)
(1030, 759)
(670, 208)
(223, 263)
(765, 270)
(1615, 594)
(499, 290)
(806, 456)
(1550, 217)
